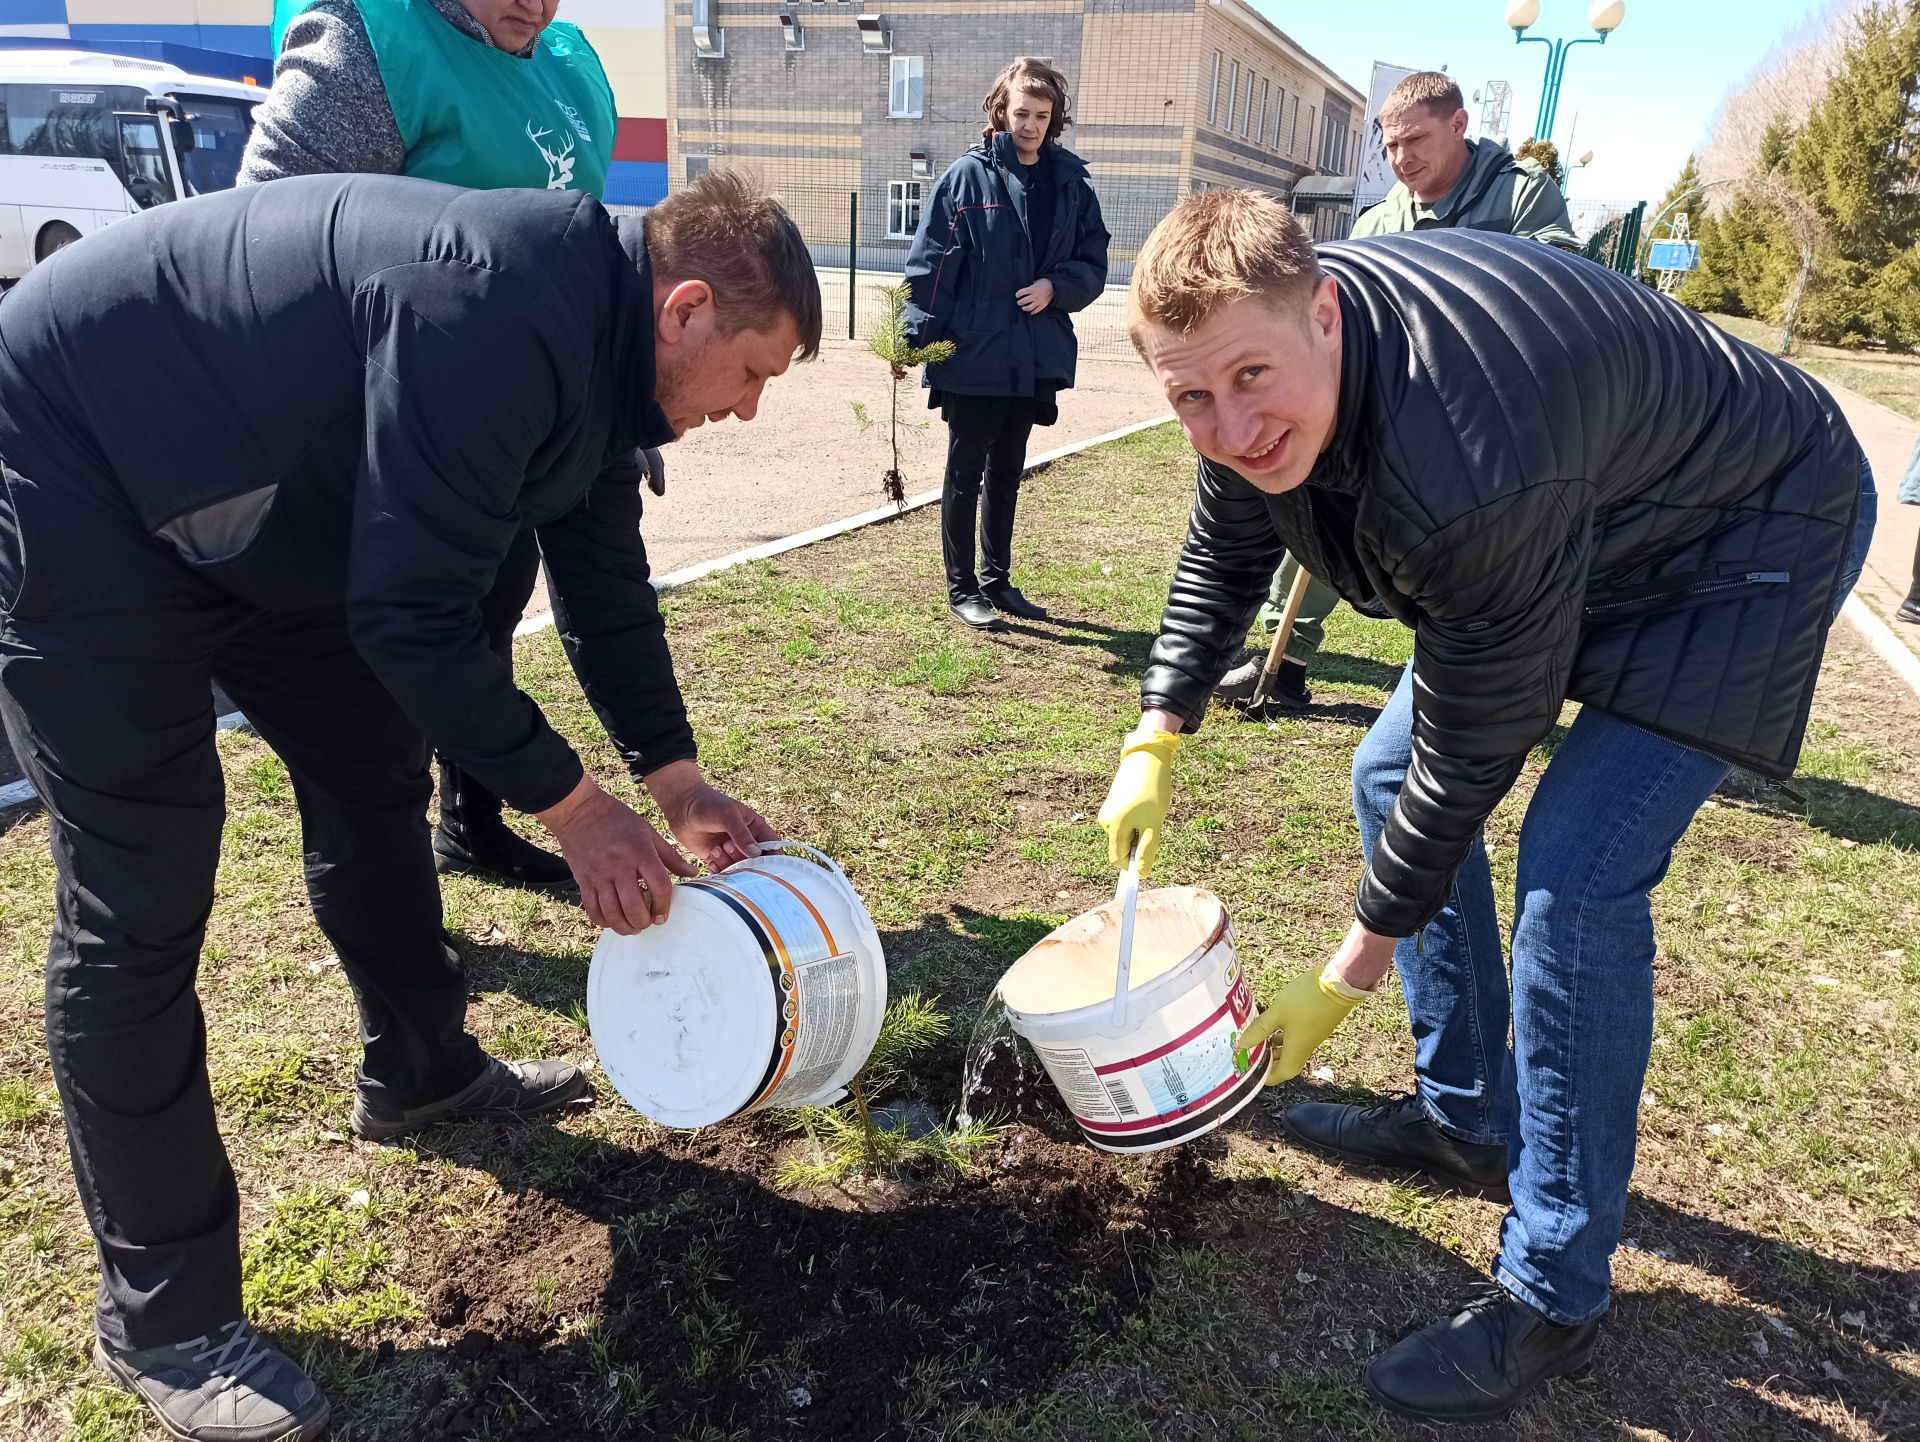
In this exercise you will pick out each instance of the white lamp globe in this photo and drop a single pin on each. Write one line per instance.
(1606, 15)
(1522, 13)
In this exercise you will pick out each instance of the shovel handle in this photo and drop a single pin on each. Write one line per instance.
(1276, 653)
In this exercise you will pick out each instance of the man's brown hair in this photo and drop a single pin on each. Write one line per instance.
(1214, 249)
(724, 229)
(1437, 94)
(1029, 75)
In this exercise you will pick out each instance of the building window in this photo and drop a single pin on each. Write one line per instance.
(906, 86)
(1279, 114)
(1246, 116)
(1313, 114)
(1293, 125)
(1213, 96)
(1260, 124)
(903, 208)
(1233, 90)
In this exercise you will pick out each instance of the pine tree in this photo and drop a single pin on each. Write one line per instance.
(1857, 158)
(1667, 214)
(889, 342)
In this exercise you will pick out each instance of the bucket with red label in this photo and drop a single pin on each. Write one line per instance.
(1160, 1070)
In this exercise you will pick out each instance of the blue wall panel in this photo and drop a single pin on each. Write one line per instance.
(33, 12)
(233, 39)
(636, 182)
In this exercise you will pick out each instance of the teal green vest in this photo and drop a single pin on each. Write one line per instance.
(472, 115)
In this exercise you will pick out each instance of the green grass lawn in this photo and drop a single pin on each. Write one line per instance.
(604, 1278)
(1892, 380)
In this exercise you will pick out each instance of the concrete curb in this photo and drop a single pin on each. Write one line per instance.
(702, 569)
(1887, 646)
(22, 791)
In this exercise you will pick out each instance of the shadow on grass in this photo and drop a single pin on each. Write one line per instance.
(669, 1292)
(1128, 650)
(1850, 813)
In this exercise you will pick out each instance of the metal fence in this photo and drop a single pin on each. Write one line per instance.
(859, 240)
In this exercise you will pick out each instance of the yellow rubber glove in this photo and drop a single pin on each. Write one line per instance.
(1138, 800)
(1305, 1014)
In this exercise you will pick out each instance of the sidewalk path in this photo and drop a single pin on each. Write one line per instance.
(1887, 437)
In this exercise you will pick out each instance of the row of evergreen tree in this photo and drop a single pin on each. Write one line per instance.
(1845, 175)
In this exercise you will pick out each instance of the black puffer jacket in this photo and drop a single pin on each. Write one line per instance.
(1569, 487)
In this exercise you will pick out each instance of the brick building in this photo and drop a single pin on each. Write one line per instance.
(827, 98)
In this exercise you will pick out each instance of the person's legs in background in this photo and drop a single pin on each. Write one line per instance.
(1909, 495)
(1290, 691)
(472, 836)
(973, 426)
(1006, 463)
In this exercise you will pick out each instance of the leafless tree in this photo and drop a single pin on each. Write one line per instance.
(1786, 85)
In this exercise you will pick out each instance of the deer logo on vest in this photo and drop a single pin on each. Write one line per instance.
(559, 162)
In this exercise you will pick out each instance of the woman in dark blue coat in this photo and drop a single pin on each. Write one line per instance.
(1010, 244)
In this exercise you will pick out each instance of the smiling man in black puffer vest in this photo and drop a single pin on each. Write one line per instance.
(1571, 489)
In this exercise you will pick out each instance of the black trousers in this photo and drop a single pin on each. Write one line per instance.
(986, 453)
(109, 649)
(464, 801)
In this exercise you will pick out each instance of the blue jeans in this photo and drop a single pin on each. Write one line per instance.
(1564, 1097)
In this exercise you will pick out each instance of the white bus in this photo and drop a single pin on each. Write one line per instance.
(86, 139)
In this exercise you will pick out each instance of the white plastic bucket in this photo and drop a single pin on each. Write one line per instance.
(1162, 1073)
(764, 987)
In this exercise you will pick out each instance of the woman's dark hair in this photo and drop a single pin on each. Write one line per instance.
(1028, 75)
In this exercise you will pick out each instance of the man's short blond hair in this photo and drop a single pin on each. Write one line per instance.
(1214, 249)
(1427, 90)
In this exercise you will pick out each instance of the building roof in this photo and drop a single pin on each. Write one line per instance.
(1324, 187)
(1255, 21)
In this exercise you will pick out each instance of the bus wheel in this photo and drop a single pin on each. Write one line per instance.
(54, 237)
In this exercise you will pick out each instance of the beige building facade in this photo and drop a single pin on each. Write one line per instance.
(826, 101)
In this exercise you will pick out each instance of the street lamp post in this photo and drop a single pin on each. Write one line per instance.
(1603, 15)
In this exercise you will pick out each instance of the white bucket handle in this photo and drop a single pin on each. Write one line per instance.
(805, 852)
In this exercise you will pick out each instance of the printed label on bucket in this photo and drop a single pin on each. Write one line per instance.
(1135, 1101)
(816, 1050)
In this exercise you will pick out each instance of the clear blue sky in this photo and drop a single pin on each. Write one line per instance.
(1642, 100)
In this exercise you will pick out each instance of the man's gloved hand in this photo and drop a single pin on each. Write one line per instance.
(653, 468)
(1304, 1014)
(1139, 798)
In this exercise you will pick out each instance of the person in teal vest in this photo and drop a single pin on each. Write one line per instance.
(487, 94)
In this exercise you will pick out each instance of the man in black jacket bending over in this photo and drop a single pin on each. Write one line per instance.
(1571, 489)
(280, 439)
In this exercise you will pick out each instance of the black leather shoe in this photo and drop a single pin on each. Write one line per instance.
(1009, 601)
(498, 853)
(975, 612)
(1480, 1363)
(1909, 611)
(505, 1091)
(1398, 1134)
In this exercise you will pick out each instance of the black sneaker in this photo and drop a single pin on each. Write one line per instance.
(1399, 1134)
(1909, 611)
(1009, 601)
(505, 1091)
(1480, 1363)
(235, 1389)
(974, 611)
(502, 855)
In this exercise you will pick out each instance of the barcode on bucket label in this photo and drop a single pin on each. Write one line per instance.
(1087, 1094)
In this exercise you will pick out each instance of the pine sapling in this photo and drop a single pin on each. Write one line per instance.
(889, 342)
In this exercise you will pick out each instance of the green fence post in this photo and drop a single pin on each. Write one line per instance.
(853, 252)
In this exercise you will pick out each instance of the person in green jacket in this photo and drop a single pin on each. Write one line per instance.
(486, 94)
(1441, 179)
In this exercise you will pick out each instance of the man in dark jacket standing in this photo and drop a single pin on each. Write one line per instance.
(1571, 489)
(280, 439)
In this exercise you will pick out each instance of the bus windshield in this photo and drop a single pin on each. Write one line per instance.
(220, 130)
(75, 121)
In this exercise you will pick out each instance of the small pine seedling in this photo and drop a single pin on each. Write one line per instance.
(889, 342)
